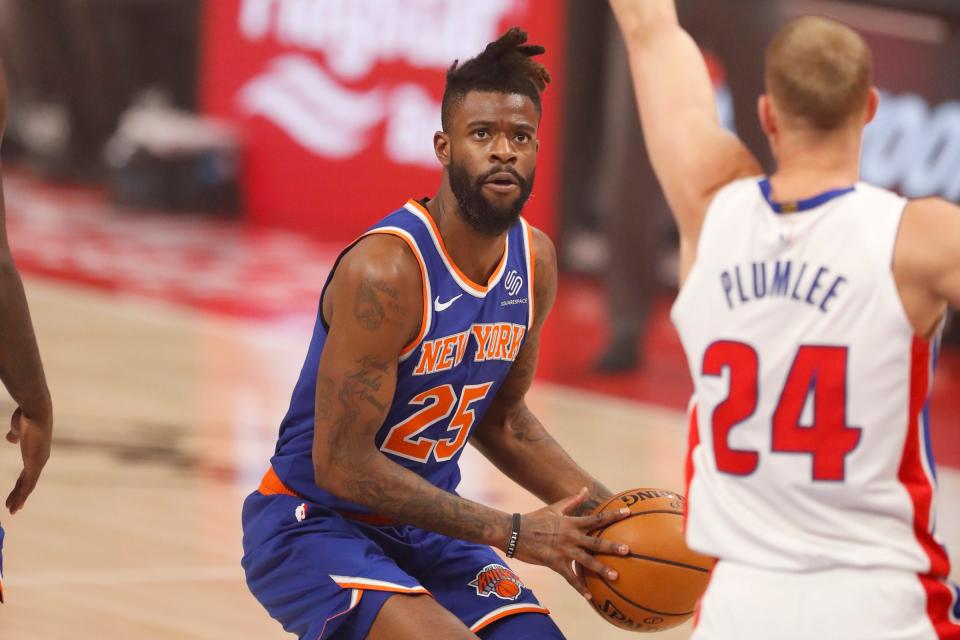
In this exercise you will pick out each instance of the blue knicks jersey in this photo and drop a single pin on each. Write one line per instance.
(470, 335)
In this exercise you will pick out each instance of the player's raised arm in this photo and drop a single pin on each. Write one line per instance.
(20, 368)
(376, 311)
(510, 435)
(692, 154)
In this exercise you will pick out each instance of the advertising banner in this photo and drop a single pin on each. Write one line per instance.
(338, 100)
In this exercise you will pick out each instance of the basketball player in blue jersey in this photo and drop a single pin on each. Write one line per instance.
(427, 338)
(20, 368)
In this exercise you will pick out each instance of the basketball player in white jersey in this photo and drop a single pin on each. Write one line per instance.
(809, 311)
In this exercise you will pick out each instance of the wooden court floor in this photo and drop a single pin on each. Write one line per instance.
(165, 419)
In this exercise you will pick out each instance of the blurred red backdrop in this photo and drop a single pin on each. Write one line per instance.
(338, 100)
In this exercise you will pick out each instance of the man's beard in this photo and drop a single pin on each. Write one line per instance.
(480, 213)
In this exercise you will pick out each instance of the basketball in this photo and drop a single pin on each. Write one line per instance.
(661, 579)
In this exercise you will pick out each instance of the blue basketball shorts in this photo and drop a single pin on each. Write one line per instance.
(323, 575)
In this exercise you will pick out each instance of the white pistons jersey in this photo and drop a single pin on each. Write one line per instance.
(809, 442)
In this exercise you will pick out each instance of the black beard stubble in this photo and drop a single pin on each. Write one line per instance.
(480, 214)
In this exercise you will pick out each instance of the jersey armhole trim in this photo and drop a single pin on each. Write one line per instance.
(426, 317)
(530, 256)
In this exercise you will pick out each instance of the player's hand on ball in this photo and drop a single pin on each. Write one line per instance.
(555, 538)
(34, 436)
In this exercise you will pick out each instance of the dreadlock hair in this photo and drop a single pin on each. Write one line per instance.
(505, 66)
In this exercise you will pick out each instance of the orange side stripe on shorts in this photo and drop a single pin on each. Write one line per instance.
(272, 485)
(503, 614)
(354, 601)
(377, 587)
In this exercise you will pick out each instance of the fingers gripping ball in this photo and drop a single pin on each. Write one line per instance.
(661, 579)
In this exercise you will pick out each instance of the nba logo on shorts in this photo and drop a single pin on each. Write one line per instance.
(513, 282)
(301, 512)
(498, 580)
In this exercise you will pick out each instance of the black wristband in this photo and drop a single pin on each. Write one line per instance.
(514, 536)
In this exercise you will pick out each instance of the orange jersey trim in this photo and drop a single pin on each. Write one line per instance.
(503, 614)
(425, 319)
(272, 485)
(531, 271)
(453, 265)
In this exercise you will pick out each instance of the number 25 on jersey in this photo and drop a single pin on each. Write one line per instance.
(404, 439)
(817, 371)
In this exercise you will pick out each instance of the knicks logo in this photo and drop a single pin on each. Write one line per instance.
(513, 282)
(498, 580)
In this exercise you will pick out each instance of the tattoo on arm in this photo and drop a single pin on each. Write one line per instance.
(377, 302)
(598, 495)
(391, 490)
(367, 308)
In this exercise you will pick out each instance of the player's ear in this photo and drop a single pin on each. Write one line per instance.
(768, 121)
(873, 103)
(441, 147)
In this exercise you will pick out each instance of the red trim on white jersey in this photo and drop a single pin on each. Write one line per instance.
(914, 476)
(693, 441)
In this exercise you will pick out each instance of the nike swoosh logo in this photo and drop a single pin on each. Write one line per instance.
(443, 306)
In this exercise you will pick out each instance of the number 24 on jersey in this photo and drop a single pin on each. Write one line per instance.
(820, 371)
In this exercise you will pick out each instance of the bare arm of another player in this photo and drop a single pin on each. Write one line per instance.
(692, 154)
(510, 435)
(377, 304)
(926, 263)
(20, 368)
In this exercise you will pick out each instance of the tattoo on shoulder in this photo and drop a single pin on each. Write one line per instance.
(376, 302)
(367, 308)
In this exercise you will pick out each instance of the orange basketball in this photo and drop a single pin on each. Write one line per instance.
(661, 580)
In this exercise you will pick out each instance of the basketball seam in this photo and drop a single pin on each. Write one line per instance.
(640, 606)
(597, 532)
(681, 565)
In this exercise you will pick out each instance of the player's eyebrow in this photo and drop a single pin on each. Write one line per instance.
(522, 125)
